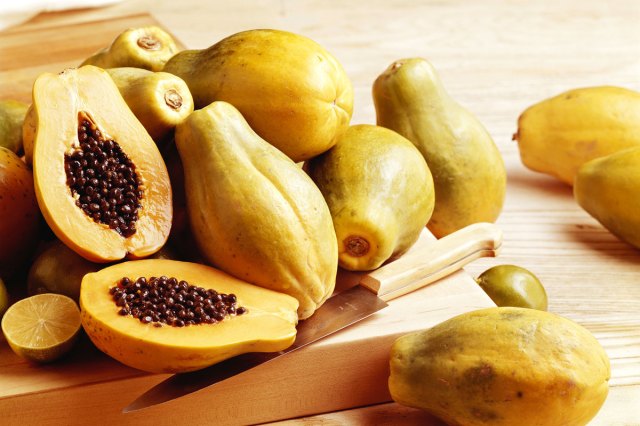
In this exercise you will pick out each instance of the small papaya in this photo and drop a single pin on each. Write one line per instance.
(379, 190)
(502, 366)
(254, 213)
(158, 99)
(468, 171)
(557, 135)
(166, 316)
(147, 47)
(100, 181)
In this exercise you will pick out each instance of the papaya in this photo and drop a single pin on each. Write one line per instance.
(607, 189)
(380, 193)
(147, 47)
(468, 171)
(28, 134)
(502, 366)
(12, 115)
(293, 93)
(253, 212)
(19, 214)
(138, 312)
(557, 135)
(158, 99)
(58, 269)
(100, 180)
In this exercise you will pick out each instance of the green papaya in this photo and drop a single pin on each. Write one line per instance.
(380, 193)
(607, 188)
(468, 170)
(254, 213)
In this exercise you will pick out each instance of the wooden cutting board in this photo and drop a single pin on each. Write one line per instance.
(348, 369)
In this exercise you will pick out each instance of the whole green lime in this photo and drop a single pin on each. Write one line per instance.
(511, 285)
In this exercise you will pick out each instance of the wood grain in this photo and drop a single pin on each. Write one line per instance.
(496, 58)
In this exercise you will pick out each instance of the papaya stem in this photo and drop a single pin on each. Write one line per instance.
(356, 245)
(173, 99)
(149, 43)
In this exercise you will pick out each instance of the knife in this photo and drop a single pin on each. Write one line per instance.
(426, 262)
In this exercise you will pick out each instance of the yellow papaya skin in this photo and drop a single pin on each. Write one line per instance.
(147, 47)
(502, 366)
(558, 135)
(12, 115)
(607, 188)
(158, 99)
(380, 193)
(468, 170)
(254, 213)
(293, 93)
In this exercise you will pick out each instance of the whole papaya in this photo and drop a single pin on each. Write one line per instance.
(254, 213)
(292, 92)
(380, 193)
(502, 366)
(468, 170)
(12, 115)
(607, 188)
(558, 135)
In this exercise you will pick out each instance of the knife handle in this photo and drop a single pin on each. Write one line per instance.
(429, 260)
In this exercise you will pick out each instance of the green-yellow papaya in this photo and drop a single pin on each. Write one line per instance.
(502, 366)
(468, 170)
(254, 213)
(380, 193)
(607, 188)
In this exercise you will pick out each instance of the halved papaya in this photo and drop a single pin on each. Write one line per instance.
(153, 339)
(100, 180)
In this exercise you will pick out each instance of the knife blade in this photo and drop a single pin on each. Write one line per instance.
(426, 262)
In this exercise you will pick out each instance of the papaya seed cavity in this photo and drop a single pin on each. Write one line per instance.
(103, 179)
(169, 301)
(356, 245)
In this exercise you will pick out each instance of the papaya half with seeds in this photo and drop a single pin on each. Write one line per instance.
(147, 47)
(380, 193)
(158, 99)
(264, 320)
(100, 180)
(254, 213)
(293, 93)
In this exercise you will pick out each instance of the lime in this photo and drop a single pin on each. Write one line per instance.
(510, 285)
(42, 328)
(4, 298)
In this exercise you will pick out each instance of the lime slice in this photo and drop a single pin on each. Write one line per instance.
(4, 298)
(42, 328)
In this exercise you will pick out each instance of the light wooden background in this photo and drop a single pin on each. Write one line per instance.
(496, 58)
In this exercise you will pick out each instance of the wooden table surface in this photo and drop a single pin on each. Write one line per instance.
(496, 58)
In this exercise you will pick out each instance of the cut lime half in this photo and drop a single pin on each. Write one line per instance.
(42, 328)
